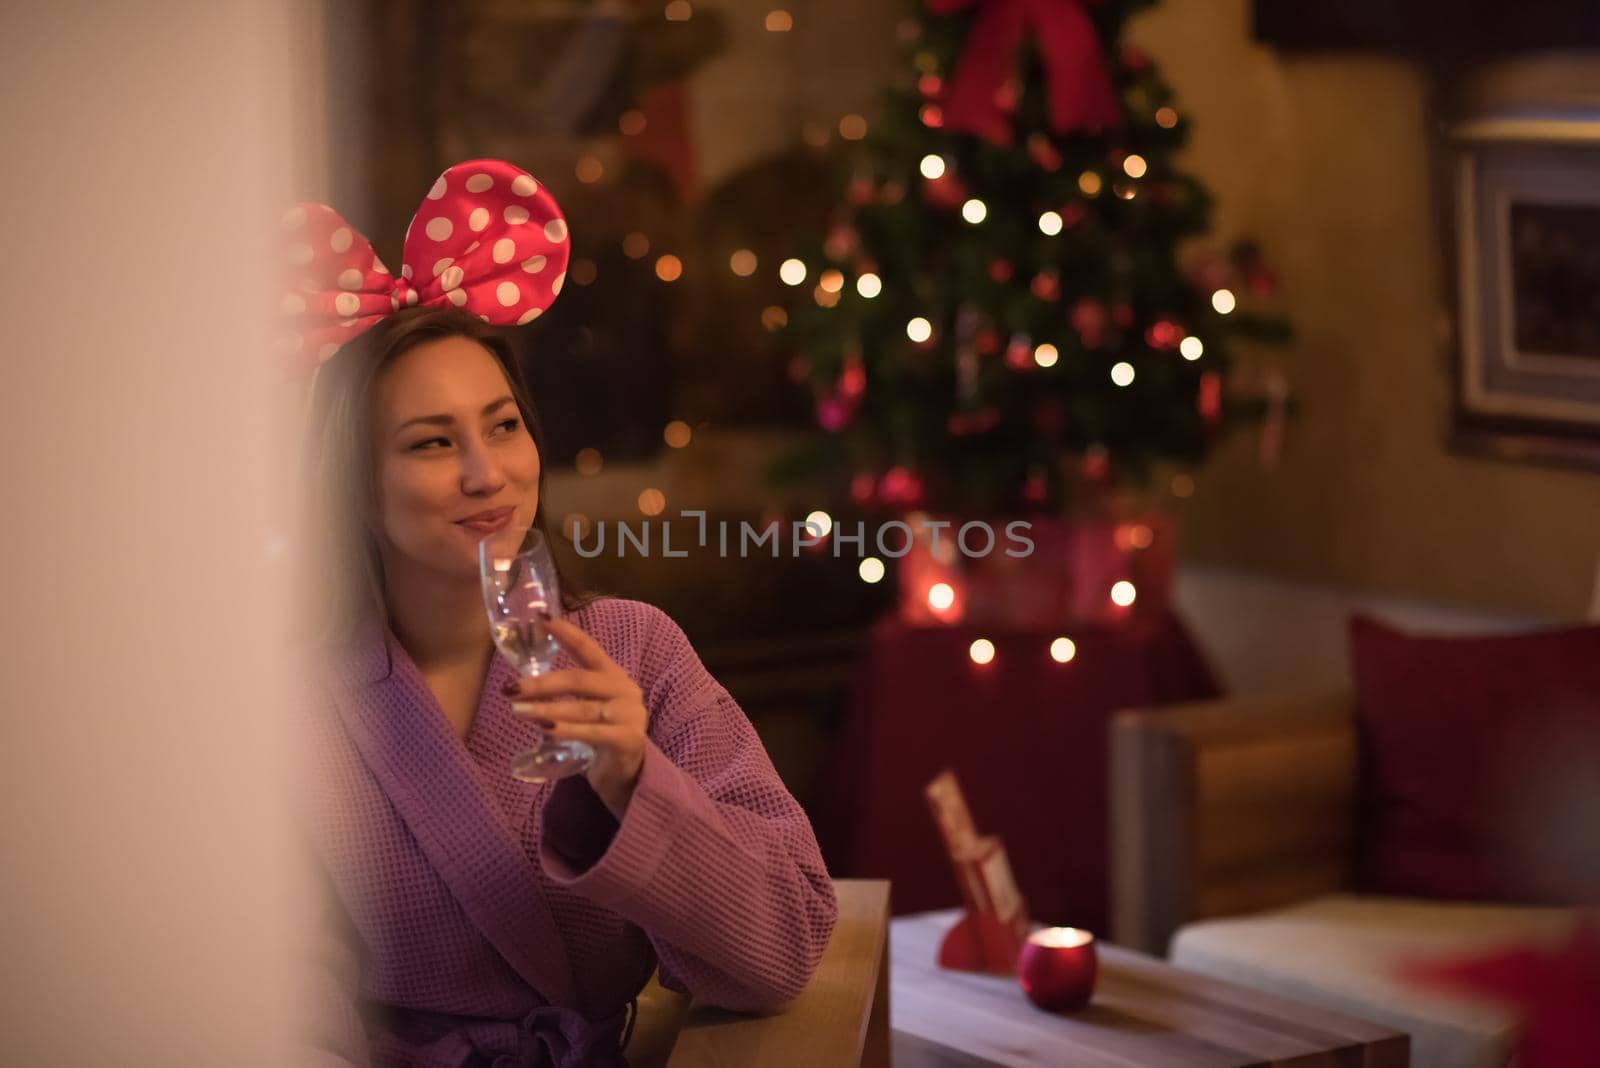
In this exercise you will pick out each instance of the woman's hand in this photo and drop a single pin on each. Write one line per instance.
(596, 703)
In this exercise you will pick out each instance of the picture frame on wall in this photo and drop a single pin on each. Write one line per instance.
(1527, 248)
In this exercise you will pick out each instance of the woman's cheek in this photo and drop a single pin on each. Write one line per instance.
(414, 494)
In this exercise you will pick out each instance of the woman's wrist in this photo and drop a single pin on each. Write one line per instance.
(616, 791)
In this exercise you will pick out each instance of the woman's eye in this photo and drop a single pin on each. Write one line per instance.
(426, 443)
(509, 425)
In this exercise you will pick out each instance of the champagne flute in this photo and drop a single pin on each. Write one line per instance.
(522, 594)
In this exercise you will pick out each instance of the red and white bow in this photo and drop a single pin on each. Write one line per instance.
(488, 238)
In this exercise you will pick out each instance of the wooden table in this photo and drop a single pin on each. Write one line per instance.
(841, 1018)
(1145, 1014)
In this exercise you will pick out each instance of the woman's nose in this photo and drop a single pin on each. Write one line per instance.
(480, 472)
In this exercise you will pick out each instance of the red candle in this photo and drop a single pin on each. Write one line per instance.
(1057, 968)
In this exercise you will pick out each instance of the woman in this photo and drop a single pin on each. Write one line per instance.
(487, 920)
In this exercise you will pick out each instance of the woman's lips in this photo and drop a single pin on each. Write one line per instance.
(488, 524)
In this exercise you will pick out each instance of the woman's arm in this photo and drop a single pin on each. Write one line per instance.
(713, 857)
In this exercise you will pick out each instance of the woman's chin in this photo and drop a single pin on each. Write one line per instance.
(505, 538)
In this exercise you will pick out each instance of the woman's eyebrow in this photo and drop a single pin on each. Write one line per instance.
(447, 420)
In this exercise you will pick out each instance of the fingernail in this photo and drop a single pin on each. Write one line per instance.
(546, 724)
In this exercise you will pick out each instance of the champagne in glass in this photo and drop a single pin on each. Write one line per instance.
(522, 594)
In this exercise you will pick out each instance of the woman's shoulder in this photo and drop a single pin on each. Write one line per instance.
(618, 614)
(640, 637)
(619, 623)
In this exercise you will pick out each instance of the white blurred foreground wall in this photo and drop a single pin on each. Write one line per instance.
(147, 907)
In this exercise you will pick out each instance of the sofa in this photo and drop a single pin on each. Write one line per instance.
(1234, 827)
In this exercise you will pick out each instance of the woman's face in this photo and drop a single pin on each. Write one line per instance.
(450, 445)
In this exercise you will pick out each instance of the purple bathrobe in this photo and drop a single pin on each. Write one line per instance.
(488, 921)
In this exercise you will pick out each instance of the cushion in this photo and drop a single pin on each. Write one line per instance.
(1346, 953)
(1480, 764)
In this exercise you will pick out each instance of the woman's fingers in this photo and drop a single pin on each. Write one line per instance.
(599, 735)
(563, 711)
(577, 682)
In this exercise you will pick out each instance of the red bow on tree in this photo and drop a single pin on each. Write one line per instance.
(1081, 96)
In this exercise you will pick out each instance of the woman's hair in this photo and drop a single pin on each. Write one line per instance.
(345, 585)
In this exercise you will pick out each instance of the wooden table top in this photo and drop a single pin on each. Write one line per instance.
(1145, 1014)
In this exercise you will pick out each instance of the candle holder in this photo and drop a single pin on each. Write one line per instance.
(1057, 968)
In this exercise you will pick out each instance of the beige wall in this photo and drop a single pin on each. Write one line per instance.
(148, 917)
(1325, 160)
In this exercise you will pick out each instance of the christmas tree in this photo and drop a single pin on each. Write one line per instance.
(1013, 307)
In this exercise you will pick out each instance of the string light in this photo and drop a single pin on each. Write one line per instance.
(631, 122)
(932, 167)
(1183, 486)
(1223, 301)
(652, 502)
(1123, 594)
(588, 462)
(824, 297)
(1192, 348)
(919, 330)
(793, 272)
(1050, 223)
(1122, 373)
(679, 11)
(852, 127)
(1062, 650)
(583, 272)
(677, 434)
(815, 133)
(869, 285)
(871, 570)
(932, 116)
(669, 268)
(1045, 355)
(1125, 190)
(779, 21)
(636, 246)
(941, 595)
(981, 651)
(575, 524)
(742, 263)
(1134, 166)
(590, 170)
(1089, 184)
(1166, 118)
(774, 318)
(974, 211)
(819, 523)
(831, 281)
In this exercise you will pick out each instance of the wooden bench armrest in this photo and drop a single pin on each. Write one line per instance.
(841, 1018)
(1228, 806)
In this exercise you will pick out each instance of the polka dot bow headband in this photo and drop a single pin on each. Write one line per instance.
(488, 238)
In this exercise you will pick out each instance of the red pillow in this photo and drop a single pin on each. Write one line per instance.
(1480, 764)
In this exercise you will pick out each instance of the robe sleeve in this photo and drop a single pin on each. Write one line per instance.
(713, 858)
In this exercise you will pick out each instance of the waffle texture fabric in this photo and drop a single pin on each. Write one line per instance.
(478, 920)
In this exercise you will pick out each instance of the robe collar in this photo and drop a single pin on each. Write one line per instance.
(453, 811)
